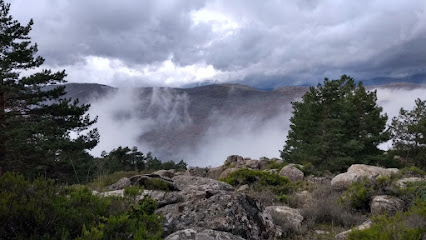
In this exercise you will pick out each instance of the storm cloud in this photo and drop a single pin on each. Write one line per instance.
(181, 43)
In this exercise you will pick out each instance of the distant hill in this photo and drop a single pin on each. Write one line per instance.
(181, 117)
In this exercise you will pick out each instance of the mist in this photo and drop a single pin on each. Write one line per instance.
(159, 120)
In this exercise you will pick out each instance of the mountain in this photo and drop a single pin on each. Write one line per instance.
(180, 123)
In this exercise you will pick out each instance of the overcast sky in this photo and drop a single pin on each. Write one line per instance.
(260, 43)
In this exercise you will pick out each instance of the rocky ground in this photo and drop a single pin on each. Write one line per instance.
(196, 205)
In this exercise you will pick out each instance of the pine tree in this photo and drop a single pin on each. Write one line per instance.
(409, 133)
(335, 125)
(35, 119)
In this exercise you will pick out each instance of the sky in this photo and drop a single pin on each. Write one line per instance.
(259, 43)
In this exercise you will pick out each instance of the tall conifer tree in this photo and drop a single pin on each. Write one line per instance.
(335, 125)
(35, 119)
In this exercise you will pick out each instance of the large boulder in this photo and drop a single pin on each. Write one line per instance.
(163, 198)
(143, 180)
(252, 164)
(343, 180)
(228, 171)
(121, 184)
(290, 215)
(202, 234)
(344, 235)
(358, 171)
(403, 182)
(292, 172)
(371, 171)
(165, 173)
(215, 173)
(234, 161)
(197, 172)
(386, 204)
(237, 214)
(199, 183)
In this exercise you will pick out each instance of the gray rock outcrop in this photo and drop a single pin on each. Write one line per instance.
(202, 234)
(237, 214)
(292, 172)
(228, 171)
(386, 204)
(358, 171)
(121, 184)
(344, 235)
(290, 215)
(402, 183)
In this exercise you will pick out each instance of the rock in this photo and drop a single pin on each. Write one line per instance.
(234, 161)
(402, 183)
(252, 164)
(344, 235)
(121, 184)
(214, 173)
(263, 162)
(291, 215)
(197, 172)
(118, 193)
(343, 180)
(163, 198)
(293, 173)
(304, 198)
(321, 232)
(201, 234)
(141, 180)
(371, 171)
(165, 173)
(386, 204)
(273, 171)
(238, 214)
(228, 171)
(243, 188)
(318, 180)
(201, 184)
(359, 171)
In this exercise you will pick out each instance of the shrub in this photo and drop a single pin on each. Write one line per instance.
(326, 209)
(358, 195)
(412, 172)
(132, 191)
(139, 223)
(275, 165)
(42, 210)
(259, 179)
(155, 184)
(404, 226)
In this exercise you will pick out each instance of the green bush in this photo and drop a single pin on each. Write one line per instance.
(358, 195)
(139, 223)
(155, 184)
(42, 210)
(133, 191)
(412, 172)
(403, 226)
(275, 165)
(259, 179)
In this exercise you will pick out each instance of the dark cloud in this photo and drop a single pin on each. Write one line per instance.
(297, 41)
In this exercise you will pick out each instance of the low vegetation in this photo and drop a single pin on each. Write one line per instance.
(410, 225)
(42, 210)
